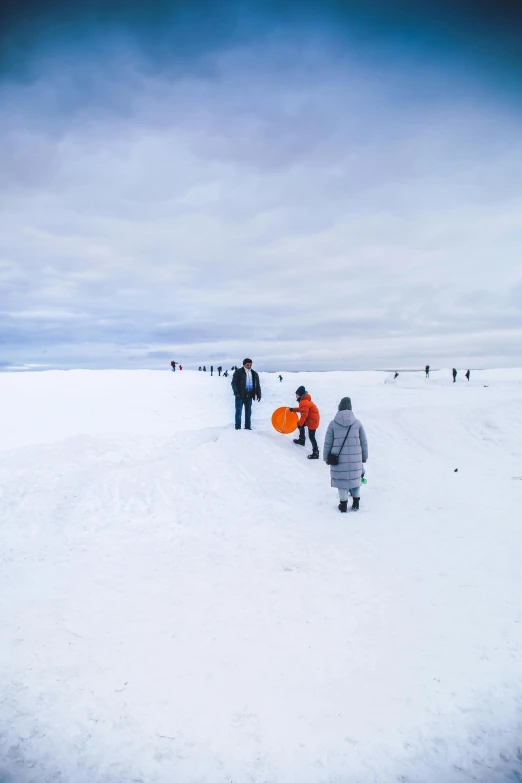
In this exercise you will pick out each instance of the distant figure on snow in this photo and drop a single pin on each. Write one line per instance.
(225, 374)
(212, 369)
(199, 368)
(280, 378)
(246, 387)
(180, 367)
(468, 374)
(173, 365)
(454, 373)
(427, 370)
(396, 376)
(309, 418)
(204, 368)
(220, 370)
(346, 442)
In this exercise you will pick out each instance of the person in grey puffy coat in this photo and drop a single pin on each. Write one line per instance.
(346, 476)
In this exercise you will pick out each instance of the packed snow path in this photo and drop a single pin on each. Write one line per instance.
(183, 603)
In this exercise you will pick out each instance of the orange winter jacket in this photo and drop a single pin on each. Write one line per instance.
(309, 413)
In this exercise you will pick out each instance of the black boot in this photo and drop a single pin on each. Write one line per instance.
(355, 504)
(302, 438)
(314, 455)
(343, 506)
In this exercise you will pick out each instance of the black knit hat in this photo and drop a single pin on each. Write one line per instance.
(247, 360)
(300, 391)
(345, 404)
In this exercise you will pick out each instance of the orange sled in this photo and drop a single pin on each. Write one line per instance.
(284, 421)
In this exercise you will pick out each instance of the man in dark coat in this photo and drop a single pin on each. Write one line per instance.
(220, 369)
(246, 387)
(468, 374)
(454, 373)
(427, 370)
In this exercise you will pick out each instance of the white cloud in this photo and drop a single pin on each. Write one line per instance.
(315, 213)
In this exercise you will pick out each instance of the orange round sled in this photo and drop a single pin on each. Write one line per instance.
(284, 421)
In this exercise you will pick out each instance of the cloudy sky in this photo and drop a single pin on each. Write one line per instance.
(315, 184)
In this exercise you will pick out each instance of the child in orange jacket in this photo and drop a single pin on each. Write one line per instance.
(309, 418)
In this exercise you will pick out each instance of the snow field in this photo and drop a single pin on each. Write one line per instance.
(183, 602)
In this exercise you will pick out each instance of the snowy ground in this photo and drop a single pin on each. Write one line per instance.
(183, 603)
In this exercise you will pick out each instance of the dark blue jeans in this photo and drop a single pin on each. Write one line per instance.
(247, 402)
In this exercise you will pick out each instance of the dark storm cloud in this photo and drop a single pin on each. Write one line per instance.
(476, 31)
(166, 31)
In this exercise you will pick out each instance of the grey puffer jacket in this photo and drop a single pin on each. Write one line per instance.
(347, 474)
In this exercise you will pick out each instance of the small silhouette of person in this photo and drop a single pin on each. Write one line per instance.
(396, 375)
(212, 369)
(280, 378)
(454, 373)
(199, 368)
(220, 370)
(468, 373)
(173, 365)
(180, 367)
(204, 368)
(427, 369)
(225, 374)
